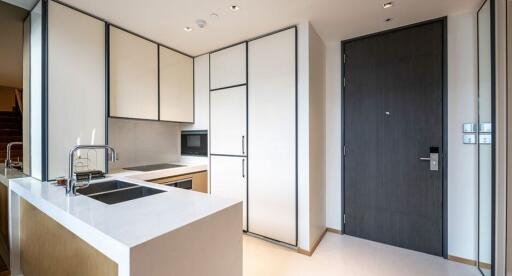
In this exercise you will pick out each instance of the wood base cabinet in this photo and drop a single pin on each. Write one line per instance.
(228, 176)
(48, 248)
(199, 180)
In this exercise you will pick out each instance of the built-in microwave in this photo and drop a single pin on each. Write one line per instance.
(194, 142)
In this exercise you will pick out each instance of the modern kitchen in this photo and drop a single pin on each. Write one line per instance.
(225, 138)
(140, 155)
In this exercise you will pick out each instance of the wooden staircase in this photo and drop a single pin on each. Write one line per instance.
(10, 131)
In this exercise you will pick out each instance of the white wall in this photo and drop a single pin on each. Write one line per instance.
(311, 128)
(36, 151)
(316, 137)
(139, 142)
(462, 159)
(303, 134)
(462, 164)
(76, 100)
(333, 136)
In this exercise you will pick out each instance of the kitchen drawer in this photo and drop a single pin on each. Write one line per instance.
(199, 180)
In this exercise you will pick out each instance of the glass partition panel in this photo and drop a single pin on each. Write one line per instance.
(485, 138)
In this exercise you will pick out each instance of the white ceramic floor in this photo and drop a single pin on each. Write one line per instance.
(345, 255)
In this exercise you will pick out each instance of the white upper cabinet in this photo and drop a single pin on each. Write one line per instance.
(133, 76)
(201, 94)
(176, 86)
(228, 67)
(228, 121)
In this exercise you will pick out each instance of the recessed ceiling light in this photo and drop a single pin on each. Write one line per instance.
(214, 15)
(234, 7)
(388, 19)
(388, 5)
(187, 29)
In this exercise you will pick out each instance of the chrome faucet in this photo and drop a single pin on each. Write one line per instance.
(8, 161)
(71, 186)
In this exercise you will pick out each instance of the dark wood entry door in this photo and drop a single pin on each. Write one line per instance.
(393, 116)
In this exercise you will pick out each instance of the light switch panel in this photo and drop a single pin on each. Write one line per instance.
(485, 127)
(485, 139)
(469, 138)
(469, 128)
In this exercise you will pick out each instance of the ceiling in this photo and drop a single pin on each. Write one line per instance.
(334, 20)
(26, 4)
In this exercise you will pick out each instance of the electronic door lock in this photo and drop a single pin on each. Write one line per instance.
(433, 158)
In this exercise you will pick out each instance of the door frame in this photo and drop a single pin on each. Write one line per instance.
(492, 8)
(444, 155)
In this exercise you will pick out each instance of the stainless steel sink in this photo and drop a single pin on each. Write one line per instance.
(125, 195)
(115, 191)
(105, 186)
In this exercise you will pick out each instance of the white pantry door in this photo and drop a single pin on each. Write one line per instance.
(228, 121)
(229, 179)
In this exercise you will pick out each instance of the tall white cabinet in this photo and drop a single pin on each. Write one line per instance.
(77, 105)
(272, 136)
(228, 124)
(253, 138)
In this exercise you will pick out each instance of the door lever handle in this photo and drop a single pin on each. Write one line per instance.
(243, 144)
(243, 168)
(433, 159)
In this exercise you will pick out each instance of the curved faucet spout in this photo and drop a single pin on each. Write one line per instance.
(71, 182)
(8, 161)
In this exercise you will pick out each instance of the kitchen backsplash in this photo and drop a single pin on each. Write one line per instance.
(141, 142)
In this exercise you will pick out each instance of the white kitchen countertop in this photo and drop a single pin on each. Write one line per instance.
(7, 174)
(139, 175)
(114, 228)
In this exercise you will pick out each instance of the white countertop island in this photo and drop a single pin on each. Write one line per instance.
(177, 232)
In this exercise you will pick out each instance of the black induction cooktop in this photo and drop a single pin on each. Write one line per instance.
(153, 167)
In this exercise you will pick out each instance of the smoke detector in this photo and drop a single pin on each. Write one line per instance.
(201, 23)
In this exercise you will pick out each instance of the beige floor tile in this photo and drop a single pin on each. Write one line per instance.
(347, 256)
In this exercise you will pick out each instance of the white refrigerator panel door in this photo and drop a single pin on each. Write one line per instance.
(229, 179)
(272, 137)
(228, 121)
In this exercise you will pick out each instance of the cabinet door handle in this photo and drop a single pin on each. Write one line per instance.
(243, 168)
(243, 144)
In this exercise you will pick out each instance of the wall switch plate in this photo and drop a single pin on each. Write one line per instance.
(469, 138)
(485, 139)
(469, 128)
(485, 127)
